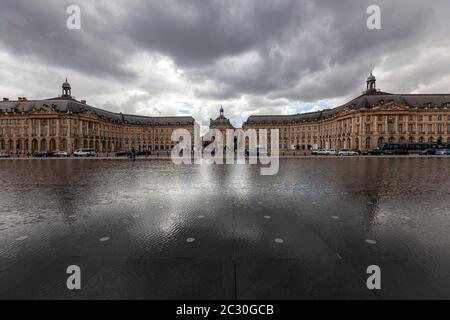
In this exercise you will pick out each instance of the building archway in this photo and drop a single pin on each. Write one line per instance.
(368, 143)
(2, 145)
(380, 140)
(52, 145)
(43, 145)
(402, 140)
(19, 145)
(34, 146)
(63, 145)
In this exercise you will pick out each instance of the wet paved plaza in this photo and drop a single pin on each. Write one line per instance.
(152, 230)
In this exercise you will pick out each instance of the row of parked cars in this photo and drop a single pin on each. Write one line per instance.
(342, 152)
(131, 153)
(63, 154)
(436, 152)
(378, 152)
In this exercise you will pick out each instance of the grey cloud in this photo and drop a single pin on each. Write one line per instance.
(264, 55)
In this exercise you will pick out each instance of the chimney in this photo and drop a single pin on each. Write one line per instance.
(83, 101)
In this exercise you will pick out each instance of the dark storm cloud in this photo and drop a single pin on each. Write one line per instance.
(38, 29)
(279, 50)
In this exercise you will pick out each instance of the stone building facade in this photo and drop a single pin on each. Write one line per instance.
(221, 123)
(66, 124)
(365, 122)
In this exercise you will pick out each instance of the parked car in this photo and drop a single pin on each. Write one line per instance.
(396, 152)
(5, 155)
(428, 152)
(144, 153)
(85, 153)
(318, 152)
(374, 152)
(443, 152)
(123, 153)
(43, 154)
(61, 154)
(331, 152)
(346, 152)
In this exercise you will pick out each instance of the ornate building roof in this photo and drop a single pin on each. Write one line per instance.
(220, 121)
(372, 98)
(66, 103)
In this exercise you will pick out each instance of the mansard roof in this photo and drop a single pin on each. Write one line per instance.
(367, 100)
(64, 105)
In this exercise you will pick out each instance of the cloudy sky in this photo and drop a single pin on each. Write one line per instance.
(188, 57)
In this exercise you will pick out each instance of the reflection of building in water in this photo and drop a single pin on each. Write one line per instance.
(66, 124)
(364, 123)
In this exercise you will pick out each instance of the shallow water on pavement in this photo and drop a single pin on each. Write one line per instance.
(151, 229)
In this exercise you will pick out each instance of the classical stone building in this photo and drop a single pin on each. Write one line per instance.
(66, 124)
(365, 122)
(221, 123)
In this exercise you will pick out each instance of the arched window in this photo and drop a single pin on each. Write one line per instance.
(368, 143)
